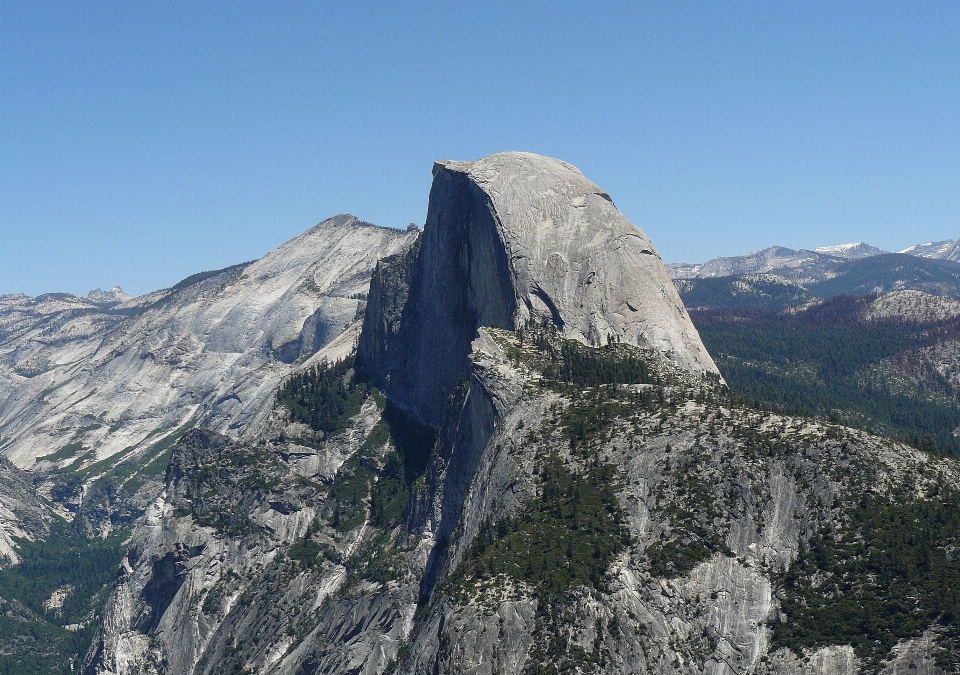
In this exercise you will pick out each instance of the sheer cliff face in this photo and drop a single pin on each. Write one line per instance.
(202, 591)
(640, 523)
(511, 239)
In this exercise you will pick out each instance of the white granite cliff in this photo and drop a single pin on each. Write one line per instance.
(242, 564)
(510, 239)
(211, 351)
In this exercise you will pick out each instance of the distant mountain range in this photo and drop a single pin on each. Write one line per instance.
(804, 265)
(776, 277)
(943, 250)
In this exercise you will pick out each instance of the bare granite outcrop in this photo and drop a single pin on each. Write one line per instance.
(512, 239)
(621, 515)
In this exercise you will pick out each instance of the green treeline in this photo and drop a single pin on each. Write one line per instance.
(734, 292)
(65, 560)
(325, 396)
(692, 509)
(828, 362)
(578, 364)
(569, 361)
(566, 537)
(387, 480)
(887, 574)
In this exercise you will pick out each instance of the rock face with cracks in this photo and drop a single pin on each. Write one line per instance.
(108, 377)
(22, 513)
(548, 477)
(512, 239)
(86, 384)
(716, 504)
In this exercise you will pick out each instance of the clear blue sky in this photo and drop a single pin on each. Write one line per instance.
(141, 142)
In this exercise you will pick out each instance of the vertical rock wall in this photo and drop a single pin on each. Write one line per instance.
(509, 239)
(425, 306)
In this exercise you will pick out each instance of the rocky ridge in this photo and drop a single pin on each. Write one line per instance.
(718, 503)
(86, 383)
(590, 502)
(23, 515)
(796, 265)
(941, 250)
(512, 239)
(853, 251)
(913, 305)
(784, 287)
(802, 265)
(115, 294)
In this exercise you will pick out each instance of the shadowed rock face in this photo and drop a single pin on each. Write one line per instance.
(512, 238)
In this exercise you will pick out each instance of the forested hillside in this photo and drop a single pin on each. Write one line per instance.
(775, 289)
(885, 376)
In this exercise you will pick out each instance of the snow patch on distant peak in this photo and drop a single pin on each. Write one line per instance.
(115, 294)
(949, 249)
(854, 251)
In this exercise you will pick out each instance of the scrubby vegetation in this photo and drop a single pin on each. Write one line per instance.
(589, 419)
(386, 480)
(68, 451)
(379, 560)
(563, 361)
(887, 573)
(565, 538)
(389, 495)
(588, 367)
(686, 500)
(220, 481)
(346, 503)
(33, 640)
(324, 397)
(553, 653)
(311, 553)
(568, 534)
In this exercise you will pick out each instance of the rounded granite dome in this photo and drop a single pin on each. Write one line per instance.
(575, 258)
(510, 239)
